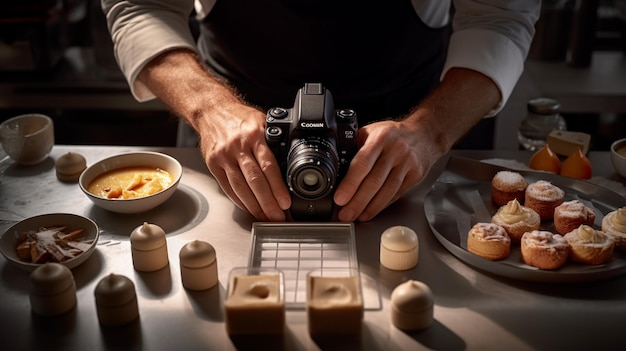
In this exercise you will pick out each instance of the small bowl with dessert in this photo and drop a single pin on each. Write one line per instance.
(132, 182)
(618, 156)
(64, 238)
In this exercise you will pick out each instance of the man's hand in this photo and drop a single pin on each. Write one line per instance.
(232, 134)
(389, 162)
(237, 155)
(396, 155)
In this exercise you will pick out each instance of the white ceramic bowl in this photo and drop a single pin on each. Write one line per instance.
(27, 139)
(9, 240)
(140, 158)
(619, 159)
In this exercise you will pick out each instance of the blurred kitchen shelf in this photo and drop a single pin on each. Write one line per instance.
(89, 103)
(76, 82)
(592, 98)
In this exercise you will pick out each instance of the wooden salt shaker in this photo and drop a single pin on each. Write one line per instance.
(52, 289)
(148, 248)
(412, 306)
(198, 265)
(116, 300)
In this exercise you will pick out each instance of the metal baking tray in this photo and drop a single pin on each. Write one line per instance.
(461, 197)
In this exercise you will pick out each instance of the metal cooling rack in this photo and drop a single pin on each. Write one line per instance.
(299, 248)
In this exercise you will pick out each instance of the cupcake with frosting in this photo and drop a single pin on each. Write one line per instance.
(614, 224)
(589, 246)
(516, 220)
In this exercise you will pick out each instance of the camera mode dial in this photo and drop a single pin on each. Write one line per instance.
(346, 113)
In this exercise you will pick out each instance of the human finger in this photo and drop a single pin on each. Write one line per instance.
(236, 187)
(373, 183)
(360, 166)
(256, 192)
(270, 168)
(398, 183)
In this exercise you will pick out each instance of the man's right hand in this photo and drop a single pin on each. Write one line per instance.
(232, 134)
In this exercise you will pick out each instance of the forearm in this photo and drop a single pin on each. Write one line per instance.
(186, 86)
(232, 134)
(460, 101)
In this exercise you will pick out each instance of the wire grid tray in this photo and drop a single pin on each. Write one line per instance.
(299, 248)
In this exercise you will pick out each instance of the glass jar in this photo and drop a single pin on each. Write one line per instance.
(542, 118)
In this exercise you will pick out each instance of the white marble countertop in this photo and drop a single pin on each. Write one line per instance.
(473, 310)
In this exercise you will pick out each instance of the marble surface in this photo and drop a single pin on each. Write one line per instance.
(473, 310)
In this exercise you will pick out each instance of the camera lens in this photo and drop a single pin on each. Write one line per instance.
(312, 168)
(310, 178)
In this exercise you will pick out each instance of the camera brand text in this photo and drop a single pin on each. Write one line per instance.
(312, 124)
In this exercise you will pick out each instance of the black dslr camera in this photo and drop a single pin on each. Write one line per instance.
(314, 144)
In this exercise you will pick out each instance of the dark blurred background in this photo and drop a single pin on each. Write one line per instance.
(56, 58)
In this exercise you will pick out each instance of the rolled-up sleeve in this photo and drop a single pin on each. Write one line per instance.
(142, 29)
(493, 38)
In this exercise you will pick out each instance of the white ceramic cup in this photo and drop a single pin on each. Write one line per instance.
(618, 156)
(27, 139)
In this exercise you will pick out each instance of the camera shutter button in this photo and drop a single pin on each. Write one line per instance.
(278, 112)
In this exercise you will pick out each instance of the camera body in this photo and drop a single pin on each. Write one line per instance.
(313, 144)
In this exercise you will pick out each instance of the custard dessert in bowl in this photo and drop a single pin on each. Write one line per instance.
(132, 182)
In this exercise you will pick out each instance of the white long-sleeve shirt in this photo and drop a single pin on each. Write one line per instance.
(490, 36)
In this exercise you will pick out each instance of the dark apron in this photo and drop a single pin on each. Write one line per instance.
(377, 58)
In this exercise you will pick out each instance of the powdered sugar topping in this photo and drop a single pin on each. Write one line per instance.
(510, 180)
(542, 238)
(573, 209)
(489, 232)
(545, 191)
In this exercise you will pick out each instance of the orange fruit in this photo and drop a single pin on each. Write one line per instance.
(577, 165)
(545, 160)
